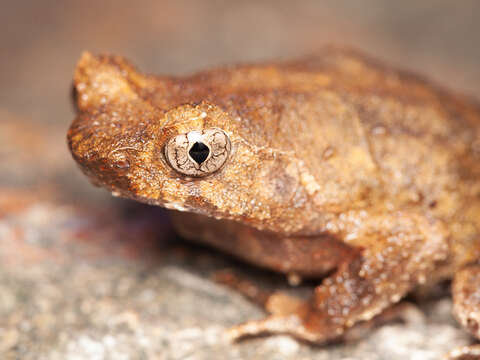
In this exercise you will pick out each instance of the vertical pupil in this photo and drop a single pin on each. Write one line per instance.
(199, 152)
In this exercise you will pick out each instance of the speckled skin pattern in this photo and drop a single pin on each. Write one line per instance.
(337, 163)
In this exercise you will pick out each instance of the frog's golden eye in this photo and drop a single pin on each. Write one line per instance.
(198, 153)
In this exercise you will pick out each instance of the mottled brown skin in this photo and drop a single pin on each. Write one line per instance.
(337, 163)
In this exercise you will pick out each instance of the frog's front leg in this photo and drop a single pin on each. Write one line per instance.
(396, 251)
(466, 308)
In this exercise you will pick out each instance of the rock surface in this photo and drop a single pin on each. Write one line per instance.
(86, 276)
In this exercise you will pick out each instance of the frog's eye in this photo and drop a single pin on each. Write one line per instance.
(198, 153)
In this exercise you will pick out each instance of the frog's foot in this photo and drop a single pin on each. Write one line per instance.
(286, 312)
(466, 308)
(289, 315)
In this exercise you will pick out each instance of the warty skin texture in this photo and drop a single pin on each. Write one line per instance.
(337, 162)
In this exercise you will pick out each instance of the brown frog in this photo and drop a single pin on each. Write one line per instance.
(332, 164)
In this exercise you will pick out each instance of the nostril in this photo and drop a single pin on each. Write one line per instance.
(472, 324)
(74, 97)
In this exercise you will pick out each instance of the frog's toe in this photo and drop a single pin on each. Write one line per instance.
(269, 325)
(281, 324)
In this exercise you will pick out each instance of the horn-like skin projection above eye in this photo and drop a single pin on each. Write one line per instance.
(199, 152)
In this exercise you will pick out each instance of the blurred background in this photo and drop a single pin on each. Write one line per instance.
(83, 275)
(41, 41)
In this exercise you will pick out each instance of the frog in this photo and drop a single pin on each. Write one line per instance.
(333, 166)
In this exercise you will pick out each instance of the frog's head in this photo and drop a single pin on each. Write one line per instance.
(185, 156)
